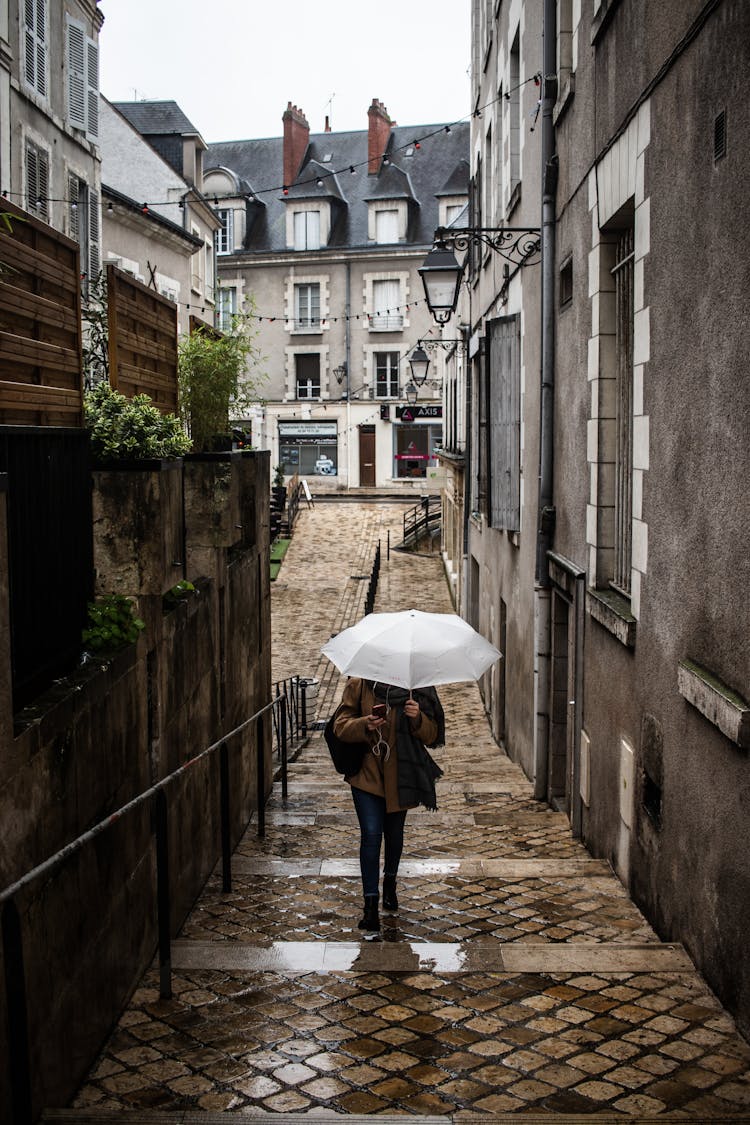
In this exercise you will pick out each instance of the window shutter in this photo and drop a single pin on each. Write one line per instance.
(37, 181)
(95, 263)
(76, 75)
(504, 404)
(92, 88)
(35, 44)
(73, 206)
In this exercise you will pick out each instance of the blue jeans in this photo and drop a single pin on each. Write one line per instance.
(374, 825)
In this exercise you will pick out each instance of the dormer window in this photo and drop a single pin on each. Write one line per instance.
(307, 230)
(387, 221)
(386, 226)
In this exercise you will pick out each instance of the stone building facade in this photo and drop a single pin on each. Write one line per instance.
(326, 233)
(627, 633)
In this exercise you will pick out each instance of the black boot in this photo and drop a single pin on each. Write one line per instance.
(370, 920)
(390, 901)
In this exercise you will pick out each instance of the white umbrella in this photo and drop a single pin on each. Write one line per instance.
(412, 649)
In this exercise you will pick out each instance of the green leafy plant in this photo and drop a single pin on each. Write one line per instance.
(130, 428)
(217, 378)
(112, 624)
(177, 594)
(278, 476)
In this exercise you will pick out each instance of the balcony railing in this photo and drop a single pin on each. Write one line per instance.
(382, 322)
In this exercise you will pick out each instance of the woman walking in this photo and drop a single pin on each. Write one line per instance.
(396, 774)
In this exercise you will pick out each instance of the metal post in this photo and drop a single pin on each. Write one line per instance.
(261, 767)
(284, 759)
(18, 1023)
(303, 689)
(162, 897)
(226, 824)
(388, 555)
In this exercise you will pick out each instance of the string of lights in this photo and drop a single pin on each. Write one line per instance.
(387, 158)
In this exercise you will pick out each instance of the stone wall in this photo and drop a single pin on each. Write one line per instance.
(95, 741)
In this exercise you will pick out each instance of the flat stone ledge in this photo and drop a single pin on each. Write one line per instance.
(345, 867)
(424, 957)
(715, 701)
(609, 609)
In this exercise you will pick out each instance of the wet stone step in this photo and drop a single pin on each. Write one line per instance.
(440, 957)
(202, 1117)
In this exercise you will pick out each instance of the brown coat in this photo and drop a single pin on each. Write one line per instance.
(376, 775)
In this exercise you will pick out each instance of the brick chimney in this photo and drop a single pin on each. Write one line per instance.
(379, 130)
(296, 139)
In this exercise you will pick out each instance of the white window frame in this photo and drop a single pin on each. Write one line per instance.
(226, 307)
(375, 209)
(34, 50)
(390, 376)
(83, 79)
(304, 320)
(386, 226)
(311, 393)
(307, 230)
(387, 312)
(225, 236)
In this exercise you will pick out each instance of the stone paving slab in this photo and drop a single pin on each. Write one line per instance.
(425, 1042)
(516, 982)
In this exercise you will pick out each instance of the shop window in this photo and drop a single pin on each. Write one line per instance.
(415, 449)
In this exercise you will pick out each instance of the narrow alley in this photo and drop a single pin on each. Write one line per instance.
(516, 978)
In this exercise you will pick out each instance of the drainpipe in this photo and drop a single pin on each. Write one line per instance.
(546, 526)
(546, 515)
(464, 601)
(347, 351)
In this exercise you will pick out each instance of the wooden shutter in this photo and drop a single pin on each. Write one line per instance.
(37, 181)
(73, 206)
(35, 44)
(95, 263)
(92, 88)
(504, 437)
(76, 74)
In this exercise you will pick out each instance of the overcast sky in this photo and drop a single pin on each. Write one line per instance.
(232, 65)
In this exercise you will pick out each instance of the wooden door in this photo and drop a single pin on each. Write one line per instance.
(367, 456)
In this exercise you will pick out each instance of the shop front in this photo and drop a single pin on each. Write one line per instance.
(309, 448)
(416, 437)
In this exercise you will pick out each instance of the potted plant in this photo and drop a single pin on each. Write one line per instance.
(278, 488)
(216, 382)
(137, 491)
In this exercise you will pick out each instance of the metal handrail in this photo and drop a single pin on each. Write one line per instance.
(421, 517)
(12, 937)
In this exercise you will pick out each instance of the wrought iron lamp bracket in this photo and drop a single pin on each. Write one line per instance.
(518, 245)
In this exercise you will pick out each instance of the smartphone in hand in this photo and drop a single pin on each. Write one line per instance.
(379, 710)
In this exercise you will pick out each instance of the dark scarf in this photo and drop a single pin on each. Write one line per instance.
(417, 771)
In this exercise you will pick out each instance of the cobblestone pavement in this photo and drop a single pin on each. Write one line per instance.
(516, 980)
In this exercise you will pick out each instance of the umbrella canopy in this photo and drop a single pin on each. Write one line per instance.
(412, 649)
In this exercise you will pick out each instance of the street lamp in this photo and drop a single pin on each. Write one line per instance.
(340, 372)
(441, 273)
(419, 362)
(441, 277)
(411, 394)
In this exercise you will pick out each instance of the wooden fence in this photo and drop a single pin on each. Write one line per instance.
(142, 341)
(41, 380)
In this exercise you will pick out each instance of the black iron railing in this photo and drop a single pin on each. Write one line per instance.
(421, 520)
(19, 1061)
(372, 585)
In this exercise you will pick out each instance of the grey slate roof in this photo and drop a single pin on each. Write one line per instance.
(156, 118)
(419, 174)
